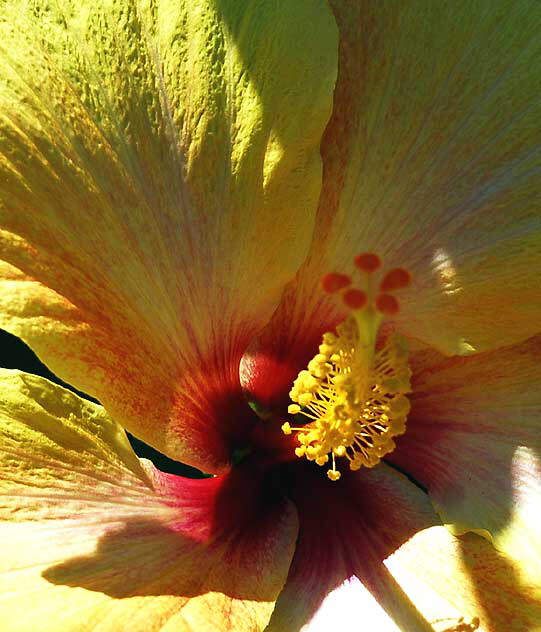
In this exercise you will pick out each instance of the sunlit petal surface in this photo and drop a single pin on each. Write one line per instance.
(159, 169)
(347, 607)
(91, 540)
(450, 578)
(432, 159)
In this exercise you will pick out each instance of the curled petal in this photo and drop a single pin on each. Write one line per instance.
(159, 173)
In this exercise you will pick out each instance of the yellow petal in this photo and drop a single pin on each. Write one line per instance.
(450, 578)
(91, 540)
(432, 160)
(159, 173)
(473, 440)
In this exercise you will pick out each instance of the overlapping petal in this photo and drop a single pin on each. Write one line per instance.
(464, 581)
(473, 440)
(432, 159)
(459, 584)
(347, 530)
(144, 154)
(91, 540)
(159, 169)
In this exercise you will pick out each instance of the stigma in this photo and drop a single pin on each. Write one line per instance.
(351, 400)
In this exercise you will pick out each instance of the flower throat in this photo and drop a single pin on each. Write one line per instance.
(352, 395)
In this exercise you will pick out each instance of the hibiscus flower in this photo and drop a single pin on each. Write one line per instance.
(229, 222)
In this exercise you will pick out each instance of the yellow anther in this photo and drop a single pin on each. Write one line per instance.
(305, 399)
(354, 397)
(286, 428)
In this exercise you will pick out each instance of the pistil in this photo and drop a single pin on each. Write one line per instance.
(352, 395)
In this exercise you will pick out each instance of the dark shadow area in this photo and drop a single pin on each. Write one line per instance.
(231, 521)
(15, 354)
(144, 558)
(252, 29)
(127, 562)
(223, 527)
(163, 462)
(405, 473)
